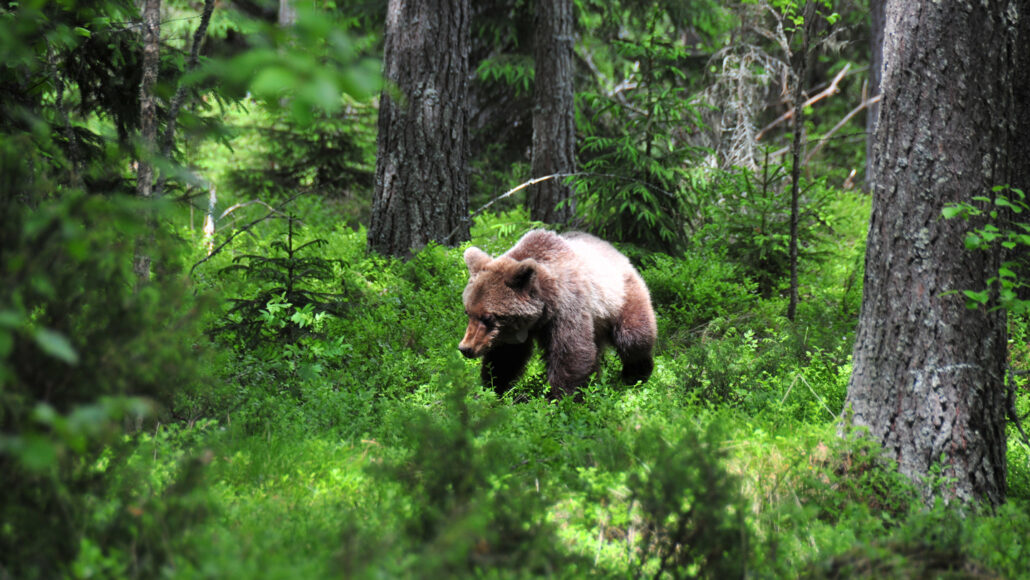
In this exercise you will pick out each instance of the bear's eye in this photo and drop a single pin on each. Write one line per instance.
(488, 320)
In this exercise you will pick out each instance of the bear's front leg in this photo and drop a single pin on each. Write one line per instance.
(504, 364)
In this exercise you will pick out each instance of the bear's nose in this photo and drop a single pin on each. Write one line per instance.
(466, 351)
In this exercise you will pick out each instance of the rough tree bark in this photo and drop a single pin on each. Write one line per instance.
(554, 122)
(928, 372)
(876, 24)
(421, 181)
(148, 125)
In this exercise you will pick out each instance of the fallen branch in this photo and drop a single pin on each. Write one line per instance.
(828, 91)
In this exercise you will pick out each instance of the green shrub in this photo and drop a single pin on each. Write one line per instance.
(85, 351)
(748, 217)
(466, 511)
(693, 290)
(688, 508)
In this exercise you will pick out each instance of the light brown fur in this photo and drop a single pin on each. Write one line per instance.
(573, 294)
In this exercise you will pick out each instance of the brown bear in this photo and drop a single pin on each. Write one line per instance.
(573, 293)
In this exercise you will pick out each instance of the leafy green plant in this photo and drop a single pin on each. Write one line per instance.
(691, 513)
(749, 217)
(83, 356)
(467, 512)
(636, 186)
(333, 158)
(692, 290)
(285, 307)
(1012, 280)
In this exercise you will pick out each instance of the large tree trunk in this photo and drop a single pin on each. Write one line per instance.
(421, 181)
(877, 21)
(928, 372)
(554, 111)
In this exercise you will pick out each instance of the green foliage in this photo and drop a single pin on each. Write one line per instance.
(82, 353)
(467, 511)
(692, 515)
(695, 289)
(515, 71)
(939, 543)
(284, 307)
(333, 429)
(303, 68)
(333, 157)
(995, 230)
(749, 216)
(636, 186)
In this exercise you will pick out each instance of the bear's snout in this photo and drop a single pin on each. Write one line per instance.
(467, 351)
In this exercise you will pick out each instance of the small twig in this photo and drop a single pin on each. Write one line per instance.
(237, 206)
(508, 193)
(817, 396)
(822, 141)
(536, 180)
(244, 229)
(828, 91)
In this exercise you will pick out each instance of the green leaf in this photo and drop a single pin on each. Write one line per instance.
(977, 297)
(56, 345)
(37, 453)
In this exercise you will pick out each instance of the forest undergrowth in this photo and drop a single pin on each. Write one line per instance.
(267, 398)
(343, 435)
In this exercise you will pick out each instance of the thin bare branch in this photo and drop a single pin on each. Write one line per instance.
(822, 141)
(827, 92)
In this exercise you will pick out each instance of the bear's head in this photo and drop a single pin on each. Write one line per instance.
(502, 301)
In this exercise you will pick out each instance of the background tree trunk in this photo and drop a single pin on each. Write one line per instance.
(148, 125)
(554, 112)
(800, 66)
(421, 181)
(287, 13)
(928, 372)
(877, 21)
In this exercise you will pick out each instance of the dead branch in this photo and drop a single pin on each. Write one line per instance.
(827, 92)
(822, 141)
(180, 91)
(508, 193)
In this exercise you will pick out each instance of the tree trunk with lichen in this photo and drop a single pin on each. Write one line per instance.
(554, 111)
(876, 25)
(928, 372)
(148, 130)
(421, 180)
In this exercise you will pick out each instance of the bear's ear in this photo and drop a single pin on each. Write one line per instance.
(521, 275)
(475, 259)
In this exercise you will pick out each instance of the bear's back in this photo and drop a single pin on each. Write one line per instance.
(584, 266)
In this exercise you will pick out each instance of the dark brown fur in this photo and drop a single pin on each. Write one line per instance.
(573, 294)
